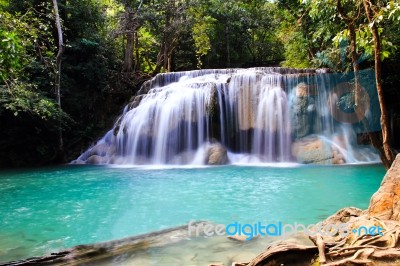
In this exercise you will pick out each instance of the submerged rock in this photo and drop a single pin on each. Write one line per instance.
(385, 203)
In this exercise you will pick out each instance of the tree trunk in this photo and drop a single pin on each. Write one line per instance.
(354, 61)
(165, 57)
(160, 60)
(387, 156)
(354, 56)
(129, 28)
(137, 54)
(228, 48)
(128, 58)
(58, 76)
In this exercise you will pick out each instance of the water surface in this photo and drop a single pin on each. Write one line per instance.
(46, 210)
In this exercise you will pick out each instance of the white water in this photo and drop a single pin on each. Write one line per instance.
(257, 114)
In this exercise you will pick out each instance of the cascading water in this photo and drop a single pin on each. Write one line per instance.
(247, 115)
(256, 116)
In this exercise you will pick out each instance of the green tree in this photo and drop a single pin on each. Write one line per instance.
(58, 73)
(22, 44)
(365, 22)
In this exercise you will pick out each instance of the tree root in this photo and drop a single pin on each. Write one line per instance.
(346, 250)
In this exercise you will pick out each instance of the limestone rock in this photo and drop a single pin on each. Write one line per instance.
(312, 150)
(99, 149)
(385, 203)
(338, 148)
(299, 117)
(95, 159)
(245, 107)
(216, 154)
(304, 90)
(304, 116)
(136, 101)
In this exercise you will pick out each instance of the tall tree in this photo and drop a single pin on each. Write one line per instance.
(58, 73)
(359, 16)
(371, 9)
(350, 19)
(129, 28)
(174, 23)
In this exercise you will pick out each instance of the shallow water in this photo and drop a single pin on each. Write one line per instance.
(45, 210)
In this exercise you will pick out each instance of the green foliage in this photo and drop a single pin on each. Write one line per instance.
(147, 47)
(11, 53)
(203, 29)
(21, 38)
(296, 54)
(20, 98)
(167, 35)
(302, 33)
(326, 11)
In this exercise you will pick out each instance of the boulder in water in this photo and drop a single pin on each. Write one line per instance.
(96, 159)
(216, 154)
(312, 150)
(100, 149)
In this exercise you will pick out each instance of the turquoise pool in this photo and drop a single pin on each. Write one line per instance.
(54, 208)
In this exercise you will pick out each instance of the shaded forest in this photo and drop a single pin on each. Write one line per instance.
(63, 84)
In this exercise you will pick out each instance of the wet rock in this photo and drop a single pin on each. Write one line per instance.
(338, 158)
(304, 90)
(304, 118)
(96, 159)
(245, 108)
(213, 106)
(117, 125)
(385, 203)
(312, 150)
(185, 157)
(299, 118)
(241, 238)
(145, 87)
(216, 154)
(136, 101)
(99, 149)
(77, 161)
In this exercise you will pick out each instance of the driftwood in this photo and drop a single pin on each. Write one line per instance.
(100, 252)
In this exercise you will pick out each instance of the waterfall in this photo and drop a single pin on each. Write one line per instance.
(262, 114)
